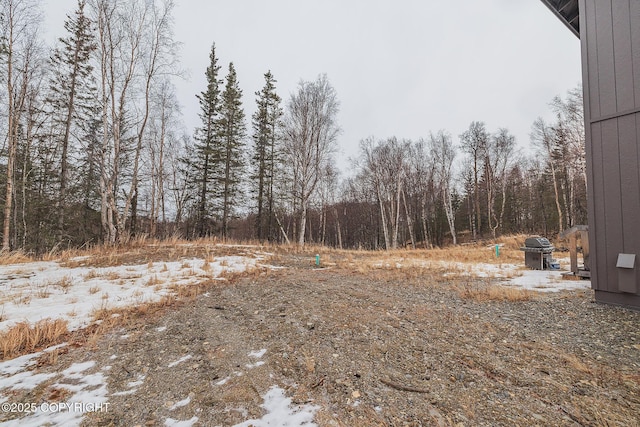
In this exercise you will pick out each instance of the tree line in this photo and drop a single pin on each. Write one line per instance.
(94, 151)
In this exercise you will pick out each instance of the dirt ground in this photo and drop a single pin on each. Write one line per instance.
(374, 347)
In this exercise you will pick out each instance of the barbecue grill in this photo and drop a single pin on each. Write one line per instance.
(537, 253)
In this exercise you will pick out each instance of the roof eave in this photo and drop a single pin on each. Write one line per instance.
(560, 7)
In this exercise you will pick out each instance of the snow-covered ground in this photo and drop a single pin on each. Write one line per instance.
(87, 384)
(34, 291)
(522, 277)
(37, 290)
(516, 275)
(546, 281)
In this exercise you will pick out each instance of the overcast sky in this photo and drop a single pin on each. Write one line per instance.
(400, 68)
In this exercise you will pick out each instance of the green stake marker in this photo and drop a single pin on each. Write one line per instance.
(497, 251)
(317, 259)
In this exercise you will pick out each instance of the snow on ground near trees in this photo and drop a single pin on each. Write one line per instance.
(33, 291)
(37, 290)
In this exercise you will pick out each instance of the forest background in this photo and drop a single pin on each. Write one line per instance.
(93, 152)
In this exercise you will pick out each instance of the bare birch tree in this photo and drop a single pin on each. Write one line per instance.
(474, 141)
(499, 156)
(19, 34)
(134, 47)
(310, 133)
(570, 150)
(385, 168)
(161, 143)
(543, 136)
(444, 154)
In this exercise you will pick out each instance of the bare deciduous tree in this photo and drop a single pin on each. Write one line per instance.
(384, 168)
(134, 47)
(543, 136)
(19, 34)
(310, 134)
(161, 144)
(497, 157)
(444, 153)
(474, 141)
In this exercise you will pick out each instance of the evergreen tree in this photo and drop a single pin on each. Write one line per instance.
(206, 156)
(266, 121)
(232, 130)
(71, 93)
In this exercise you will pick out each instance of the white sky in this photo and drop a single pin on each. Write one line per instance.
(400, 68)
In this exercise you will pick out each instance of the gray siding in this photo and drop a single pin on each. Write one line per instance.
(610, 37)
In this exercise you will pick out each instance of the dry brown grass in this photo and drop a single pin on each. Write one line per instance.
(42, 291)
(92, 274)
(23, 338)
(482, 292)
(51, 357)
(143, 250)
(153, 281)
(113, 275)
(64, 284)
(14, 257)
(365, 261)
(575, 363)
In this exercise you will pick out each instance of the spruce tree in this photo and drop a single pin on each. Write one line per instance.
(232, 130)
(206, 154)
(71, 94)
(266, 121)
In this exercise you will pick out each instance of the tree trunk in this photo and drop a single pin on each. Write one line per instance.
(338, 231)
(423, 215)
(557, 198)
(383, 217)
(303, 224)
(448, 209)
(409, 222)
(11, 146)
(396, 216)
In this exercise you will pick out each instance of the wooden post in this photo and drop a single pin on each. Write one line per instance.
(573, 252)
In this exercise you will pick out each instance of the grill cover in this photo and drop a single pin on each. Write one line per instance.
(537, 242)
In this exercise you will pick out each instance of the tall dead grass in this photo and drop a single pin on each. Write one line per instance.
(14, 257)
(482, 292)
(23, 338)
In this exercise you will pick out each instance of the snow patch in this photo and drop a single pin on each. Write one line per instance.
(254, 365)
(170, 422)
(183, 402)
(281, 413)
(45, 289)
(75, 370)
(258, 353)
(179, 361)
(223, 381)
(89, 392)
(547, 281)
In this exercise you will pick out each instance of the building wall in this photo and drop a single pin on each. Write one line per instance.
(610, 40)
